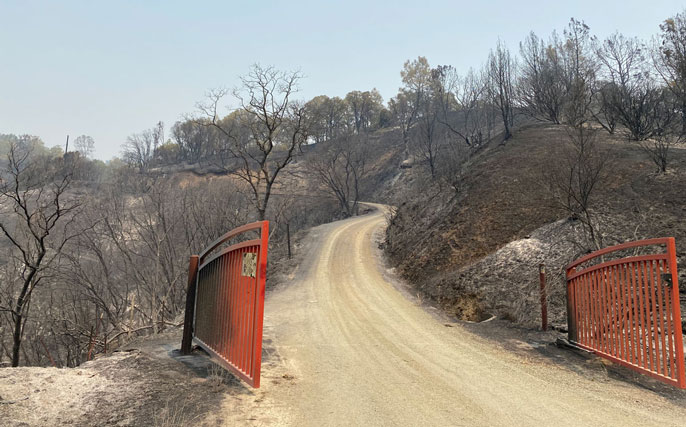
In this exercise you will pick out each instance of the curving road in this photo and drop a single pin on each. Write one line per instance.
(357, 352)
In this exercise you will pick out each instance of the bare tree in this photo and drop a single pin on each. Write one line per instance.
(451, 164)
(428, 134)
(460, 101)
(265, 134)
(574, 181)
(452, 121)
(579, 72)
(541, 86)
(602, 109)
(139, 149)
(35, 222)
(501, 71)
(622, 58)
(630, 94)
(339, 168)
(658, 148)
(125, 273)
(85, 145)
(404, 110)
(670, 60)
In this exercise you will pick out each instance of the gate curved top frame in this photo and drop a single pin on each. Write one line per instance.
(667, 241)
(230, 235)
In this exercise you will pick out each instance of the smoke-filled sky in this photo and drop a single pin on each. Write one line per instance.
(109, 69)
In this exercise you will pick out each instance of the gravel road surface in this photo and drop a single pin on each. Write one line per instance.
(359, 352)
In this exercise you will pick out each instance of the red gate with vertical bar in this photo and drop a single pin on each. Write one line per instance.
(627, 310)
(229, 301)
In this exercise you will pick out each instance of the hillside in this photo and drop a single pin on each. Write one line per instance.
(476, 253)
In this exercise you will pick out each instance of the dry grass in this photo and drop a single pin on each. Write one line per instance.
(217, 377)
(174, 415)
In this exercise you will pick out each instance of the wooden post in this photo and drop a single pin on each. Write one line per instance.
(288, 237)
(544, 298)
(45, 347)
(94, 337)
(90, 345)
(133, 299)
(190, 306)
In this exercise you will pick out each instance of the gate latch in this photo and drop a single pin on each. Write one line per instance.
(667, 279)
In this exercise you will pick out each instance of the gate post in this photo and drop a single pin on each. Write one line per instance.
(190, 306)
(571, 321)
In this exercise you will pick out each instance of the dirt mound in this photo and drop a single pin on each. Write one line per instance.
(144, 385)
(491, 283)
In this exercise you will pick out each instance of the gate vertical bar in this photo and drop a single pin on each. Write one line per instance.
(571, 318)
(259, 309)
(653, 308)
(660, 303)
(189, 316)
(671, 251)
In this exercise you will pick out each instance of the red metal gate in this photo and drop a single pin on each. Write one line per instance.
(627, 310)
(228, 291)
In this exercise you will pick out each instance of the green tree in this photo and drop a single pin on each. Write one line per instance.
(365, 108)
(327, 117)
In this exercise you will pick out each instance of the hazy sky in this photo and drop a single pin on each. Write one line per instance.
(109, 69)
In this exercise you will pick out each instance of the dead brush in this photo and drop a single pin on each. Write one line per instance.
(216, 377)
(173, 415)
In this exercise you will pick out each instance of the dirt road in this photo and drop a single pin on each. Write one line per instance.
(358, 352)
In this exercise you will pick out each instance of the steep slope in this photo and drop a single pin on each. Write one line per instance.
(446, 243)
